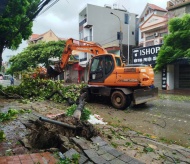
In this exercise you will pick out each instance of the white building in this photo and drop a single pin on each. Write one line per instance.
(97, 24)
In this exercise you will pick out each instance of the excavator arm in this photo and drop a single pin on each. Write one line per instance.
(78, 45)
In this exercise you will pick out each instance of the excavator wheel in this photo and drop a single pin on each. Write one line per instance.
(119, 100)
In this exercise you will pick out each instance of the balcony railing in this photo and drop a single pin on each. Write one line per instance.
(150, 37)
(82, 22)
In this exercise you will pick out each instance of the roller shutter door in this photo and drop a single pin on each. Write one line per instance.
(184, 76)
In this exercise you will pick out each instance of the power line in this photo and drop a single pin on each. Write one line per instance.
(51, 5)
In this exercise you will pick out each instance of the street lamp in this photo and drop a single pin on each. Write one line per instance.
(128, 36)
(121, 36)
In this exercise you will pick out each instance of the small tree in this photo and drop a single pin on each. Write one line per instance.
(176, 43)
(36, 54)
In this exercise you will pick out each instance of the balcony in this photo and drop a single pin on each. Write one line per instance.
(150, 37)
(82, 22)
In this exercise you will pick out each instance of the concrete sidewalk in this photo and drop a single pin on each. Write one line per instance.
(184, 92)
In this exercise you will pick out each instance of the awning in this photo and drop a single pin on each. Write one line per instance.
(184, 60)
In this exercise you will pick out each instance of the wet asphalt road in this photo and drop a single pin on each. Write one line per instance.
(165, 119)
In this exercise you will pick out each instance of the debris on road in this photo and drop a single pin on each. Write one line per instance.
(96, 120)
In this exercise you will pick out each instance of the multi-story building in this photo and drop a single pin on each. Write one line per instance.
(153, 26)
(177, 8)
(97, 24)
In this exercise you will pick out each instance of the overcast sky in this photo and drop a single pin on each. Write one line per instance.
(63, 19)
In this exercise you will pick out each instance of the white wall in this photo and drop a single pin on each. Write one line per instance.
(105, 25)
(170, 77)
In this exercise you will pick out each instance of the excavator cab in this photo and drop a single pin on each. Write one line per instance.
(101, 67)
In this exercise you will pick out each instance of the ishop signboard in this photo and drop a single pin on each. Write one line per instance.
(146, 55)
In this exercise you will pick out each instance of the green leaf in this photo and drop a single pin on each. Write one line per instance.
(2, 135)
(148, 149)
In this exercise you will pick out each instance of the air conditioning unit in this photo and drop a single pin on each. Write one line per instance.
(156, 34)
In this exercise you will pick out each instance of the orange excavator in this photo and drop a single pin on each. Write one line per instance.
(108, 76)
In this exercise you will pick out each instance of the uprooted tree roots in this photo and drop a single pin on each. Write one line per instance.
(46, 135)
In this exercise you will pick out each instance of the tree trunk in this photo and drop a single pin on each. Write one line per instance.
(1, 58)
(1, 51)
(77, 113)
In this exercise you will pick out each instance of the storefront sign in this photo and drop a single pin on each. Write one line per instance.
(146, 55)
(164, 78)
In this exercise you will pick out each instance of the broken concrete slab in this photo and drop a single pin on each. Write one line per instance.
(104, 154)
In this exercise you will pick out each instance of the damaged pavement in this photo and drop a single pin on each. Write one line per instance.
(95, 143)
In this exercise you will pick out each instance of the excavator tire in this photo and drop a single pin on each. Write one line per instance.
(119, 100)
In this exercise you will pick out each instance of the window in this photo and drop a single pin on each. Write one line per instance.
(96, 71)
(108, 64)
(96, 64)
(161, 41)
(142, 19)
(150, 37)
(118, 61)
(142, 35)
(90, 34)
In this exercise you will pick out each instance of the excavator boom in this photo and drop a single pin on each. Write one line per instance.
(78, 45)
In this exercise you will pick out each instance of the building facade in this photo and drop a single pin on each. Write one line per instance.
(46, 37)
(97, 24)
(153, 26)
(179, 71)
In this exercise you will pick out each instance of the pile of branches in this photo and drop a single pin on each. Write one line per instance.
(41, 89)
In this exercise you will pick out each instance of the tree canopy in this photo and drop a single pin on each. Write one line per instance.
(36, 54)
(176, 43)
(16, 22)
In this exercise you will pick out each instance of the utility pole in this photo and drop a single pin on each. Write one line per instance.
(121, 36)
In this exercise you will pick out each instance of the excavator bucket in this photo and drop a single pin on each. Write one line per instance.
(144, 95)
(52, 72)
